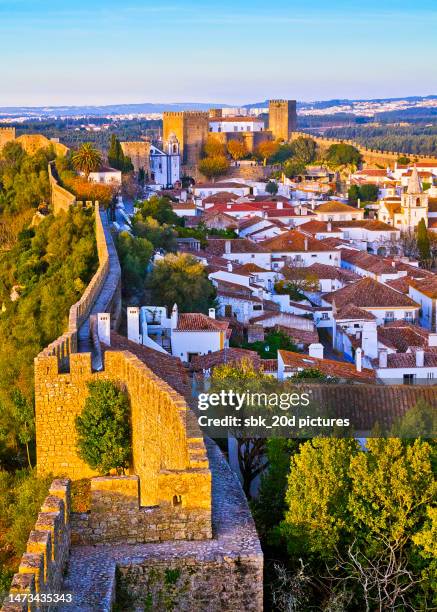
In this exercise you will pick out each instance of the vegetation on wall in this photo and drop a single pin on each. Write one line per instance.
(103, 427)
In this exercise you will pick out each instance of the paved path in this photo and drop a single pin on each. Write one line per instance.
(91, 570)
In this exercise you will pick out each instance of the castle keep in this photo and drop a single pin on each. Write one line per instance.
(282, 118)
(191, 129)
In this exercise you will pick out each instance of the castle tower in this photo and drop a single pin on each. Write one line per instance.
(7, 134)
(191, 130)
(414, 202)
(282, 118)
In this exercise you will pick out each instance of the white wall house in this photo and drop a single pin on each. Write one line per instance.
(106, 175)
(236, 124)
(424, 292)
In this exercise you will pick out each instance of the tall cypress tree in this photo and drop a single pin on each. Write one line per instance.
(423, 241)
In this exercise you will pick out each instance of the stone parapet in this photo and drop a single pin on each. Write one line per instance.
(42, 565)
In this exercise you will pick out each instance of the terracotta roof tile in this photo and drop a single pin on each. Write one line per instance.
(196, 321)
(368, 293)
(293, 241)
(338, 369)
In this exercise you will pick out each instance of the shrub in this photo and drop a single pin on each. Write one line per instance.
(104, 440)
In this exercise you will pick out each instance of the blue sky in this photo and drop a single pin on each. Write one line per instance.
(121, 51)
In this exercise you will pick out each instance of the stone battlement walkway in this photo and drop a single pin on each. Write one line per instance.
(92, 569)
(105, 297)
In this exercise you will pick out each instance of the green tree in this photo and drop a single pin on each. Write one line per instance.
(25, 418)
(403, 160)
(161, 236)
(293, 168)
(423, 243)
(212, 167)
(343, 154)
(181, 279)
(353, 194)
(103, 428)
(158, 208)
(87, 159)
(366, 515)
(272, 188)
(304, 150)
(369, 192)
(134, 254)
(116, 157)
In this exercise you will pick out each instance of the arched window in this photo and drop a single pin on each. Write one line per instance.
(418, 202)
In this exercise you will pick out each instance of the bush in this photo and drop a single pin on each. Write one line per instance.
(104, 433)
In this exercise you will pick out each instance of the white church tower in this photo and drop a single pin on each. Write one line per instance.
(414, 202)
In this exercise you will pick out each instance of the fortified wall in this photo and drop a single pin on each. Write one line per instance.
(31, 143)
(179, 513)
(42, 566)
(139, 154)
(169, 475)
(191, 128)
(7, 134)
(370, 156)
(60, 198)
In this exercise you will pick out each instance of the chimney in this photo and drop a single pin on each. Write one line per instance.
(359, 359)
(313, 204)
(420, 358)
(133, 324)
(211, 313)
(227, 246)
(174, 317)
(432, 339)
(329, 226)
(305, 243)
(382, 354)
(229, 266)
(279, 205)
(316, 350)
(104, 327)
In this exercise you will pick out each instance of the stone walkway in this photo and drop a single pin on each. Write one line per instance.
(104, 299)
(91, 569)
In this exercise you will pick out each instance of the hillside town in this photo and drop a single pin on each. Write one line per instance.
(237, 250)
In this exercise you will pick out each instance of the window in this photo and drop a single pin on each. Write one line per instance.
(409, 379)
(235, 128)
(257, 307)
(430, 375)
(325, 316)
(390, 316)
(356, 325)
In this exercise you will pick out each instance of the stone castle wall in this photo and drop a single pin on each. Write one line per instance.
(66, 344)
(370, 156)
(42, 566)
(282, 118)
(191, 128)
(61, 199)
(7, 134)
(251, 139)
(168, 453)
(224, 585)
(116, 516)
(139, 153)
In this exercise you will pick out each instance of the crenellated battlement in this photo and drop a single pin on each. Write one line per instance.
(43, 563)
(369, 154)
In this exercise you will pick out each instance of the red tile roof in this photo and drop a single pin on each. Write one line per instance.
(217, 246)
(293, 241)
(227, 355)
(368, 293)
(350, 311)
(401, 335)
(338, 369)
(196, 321)
(328, 207)
(167, 367)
